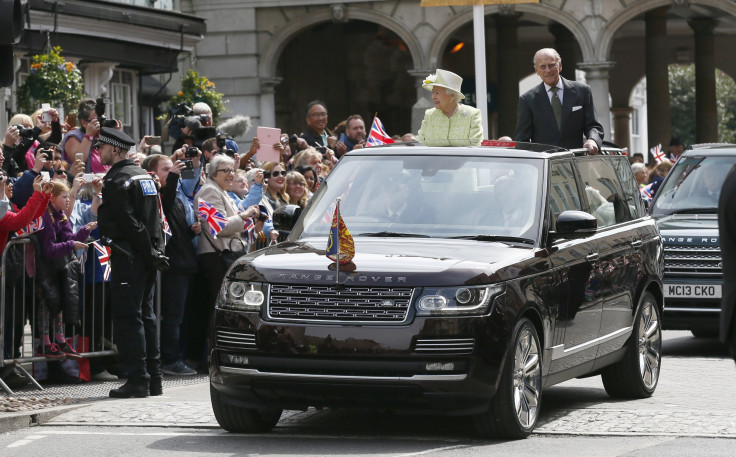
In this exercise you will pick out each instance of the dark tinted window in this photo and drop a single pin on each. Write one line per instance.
(628, 185)
(606, 200)
(563, 190)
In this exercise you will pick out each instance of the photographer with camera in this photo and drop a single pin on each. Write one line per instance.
(20, 138)
(79, 143)
(130, 217)
(181, 252)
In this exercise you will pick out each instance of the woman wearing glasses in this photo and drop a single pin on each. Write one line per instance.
(274, 194)
(220, 175)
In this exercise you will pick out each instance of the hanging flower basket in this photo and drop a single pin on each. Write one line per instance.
(196, 88)
(51, 80)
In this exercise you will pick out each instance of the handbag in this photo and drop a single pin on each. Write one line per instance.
(229, 255)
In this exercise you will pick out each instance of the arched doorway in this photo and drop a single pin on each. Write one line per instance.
(357, 67)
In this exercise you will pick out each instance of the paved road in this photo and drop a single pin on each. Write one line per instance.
(693, 412)
(694, 398)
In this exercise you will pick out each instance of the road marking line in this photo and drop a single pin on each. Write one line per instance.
(438, 449)
(27, 440)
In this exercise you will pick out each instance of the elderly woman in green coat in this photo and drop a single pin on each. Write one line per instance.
(449, 123)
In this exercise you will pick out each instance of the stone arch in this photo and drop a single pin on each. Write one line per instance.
(270, 57)
(572, 24)
(605, 40)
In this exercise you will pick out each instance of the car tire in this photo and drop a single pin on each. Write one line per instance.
(242, 420)
(514, 409)
(637, 374)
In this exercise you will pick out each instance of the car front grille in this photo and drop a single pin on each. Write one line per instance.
(235, 340)
(303, 303)
(444, 346)
(692, 261)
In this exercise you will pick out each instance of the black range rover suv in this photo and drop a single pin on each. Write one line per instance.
(480, 277)
(686, 211)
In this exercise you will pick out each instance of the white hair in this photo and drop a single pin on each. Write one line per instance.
(215, 163)
(549, 51)
(201, 108)
(638, 167)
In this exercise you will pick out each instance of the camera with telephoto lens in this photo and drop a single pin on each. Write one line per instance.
(100, 106)
(222, 145)
(29, 136)
(191, 152)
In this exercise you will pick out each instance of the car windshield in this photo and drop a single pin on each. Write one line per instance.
(430, 196)
(692, 186)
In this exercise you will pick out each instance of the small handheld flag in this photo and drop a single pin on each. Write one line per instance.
(34, 226)
(215, 220)
(164, 222)
(657, 153)
(378, 134)
(340, 245)
(103, 256)
(249, 227)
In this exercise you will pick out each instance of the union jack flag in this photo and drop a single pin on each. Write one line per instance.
(249, 227)
(103, 256)
(657, 153)
(215, 220)
(378, 134)
(34, 226)
(164, 222)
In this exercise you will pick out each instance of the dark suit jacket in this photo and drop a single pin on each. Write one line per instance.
(727, 232)
(535, 120)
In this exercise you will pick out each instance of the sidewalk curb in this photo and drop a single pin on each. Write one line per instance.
(10, 422)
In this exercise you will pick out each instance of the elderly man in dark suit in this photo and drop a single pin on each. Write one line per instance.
(727, 232)
(558, 111)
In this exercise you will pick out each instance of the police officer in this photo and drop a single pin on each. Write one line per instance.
(129, 218)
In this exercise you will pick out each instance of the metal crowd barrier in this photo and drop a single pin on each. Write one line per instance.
(18, 310)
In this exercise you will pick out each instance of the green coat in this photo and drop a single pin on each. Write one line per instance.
(464, 128)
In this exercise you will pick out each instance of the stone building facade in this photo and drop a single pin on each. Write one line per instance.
(272, 56)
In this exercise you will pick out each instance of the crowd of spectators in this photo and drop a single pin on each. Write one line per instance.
(52, 172)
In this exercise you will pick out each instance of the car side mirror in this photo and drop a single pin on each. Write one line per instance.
(575, 224)
(285, 217)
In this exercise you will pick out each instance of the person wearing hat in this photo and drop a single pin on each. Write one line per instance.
(449, 123)
(130, 217)
(558, 111)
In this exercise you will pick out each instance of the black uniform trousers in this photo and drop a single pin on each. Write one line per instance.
(132, 285)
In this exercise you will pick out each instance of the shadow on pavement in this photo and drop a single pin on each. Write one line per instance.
(684, 344)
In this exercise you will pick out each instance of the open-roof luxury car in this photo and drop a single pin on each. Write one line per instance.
(480, 277)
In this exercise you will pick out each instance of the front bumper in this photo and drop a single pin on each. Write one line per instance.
(296, 366)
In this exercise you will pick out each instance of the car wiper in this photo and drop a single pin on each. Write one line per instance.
(511, 239)
(394, 235)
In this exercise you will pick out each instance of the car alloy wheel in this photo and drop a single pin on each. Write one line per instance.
(649, 344)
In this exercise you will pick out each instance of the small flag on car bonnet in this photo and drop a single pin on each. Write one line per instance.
(340, 245)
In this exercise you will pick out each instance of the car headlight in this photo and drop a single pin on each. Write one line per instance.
(246, 296)
(459, 301)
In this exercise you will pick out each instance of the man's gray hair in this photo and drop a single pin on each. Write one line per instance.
(201, 108)
(217, 160)
(549, 51)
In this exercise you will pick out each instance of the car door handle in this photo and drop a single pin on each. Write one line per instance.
(593, 257)
(636, 244)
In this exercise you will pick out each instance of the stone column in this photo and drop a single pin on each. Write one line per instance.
(567, 46)
(268, 102)
(706, 118)
(96, 77)
(597, 78)
(659, 125)
(507, 51)
(424, 100)
(622, 126)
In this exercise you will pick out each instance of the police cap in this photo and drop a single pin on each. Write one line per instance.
(116, 138)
